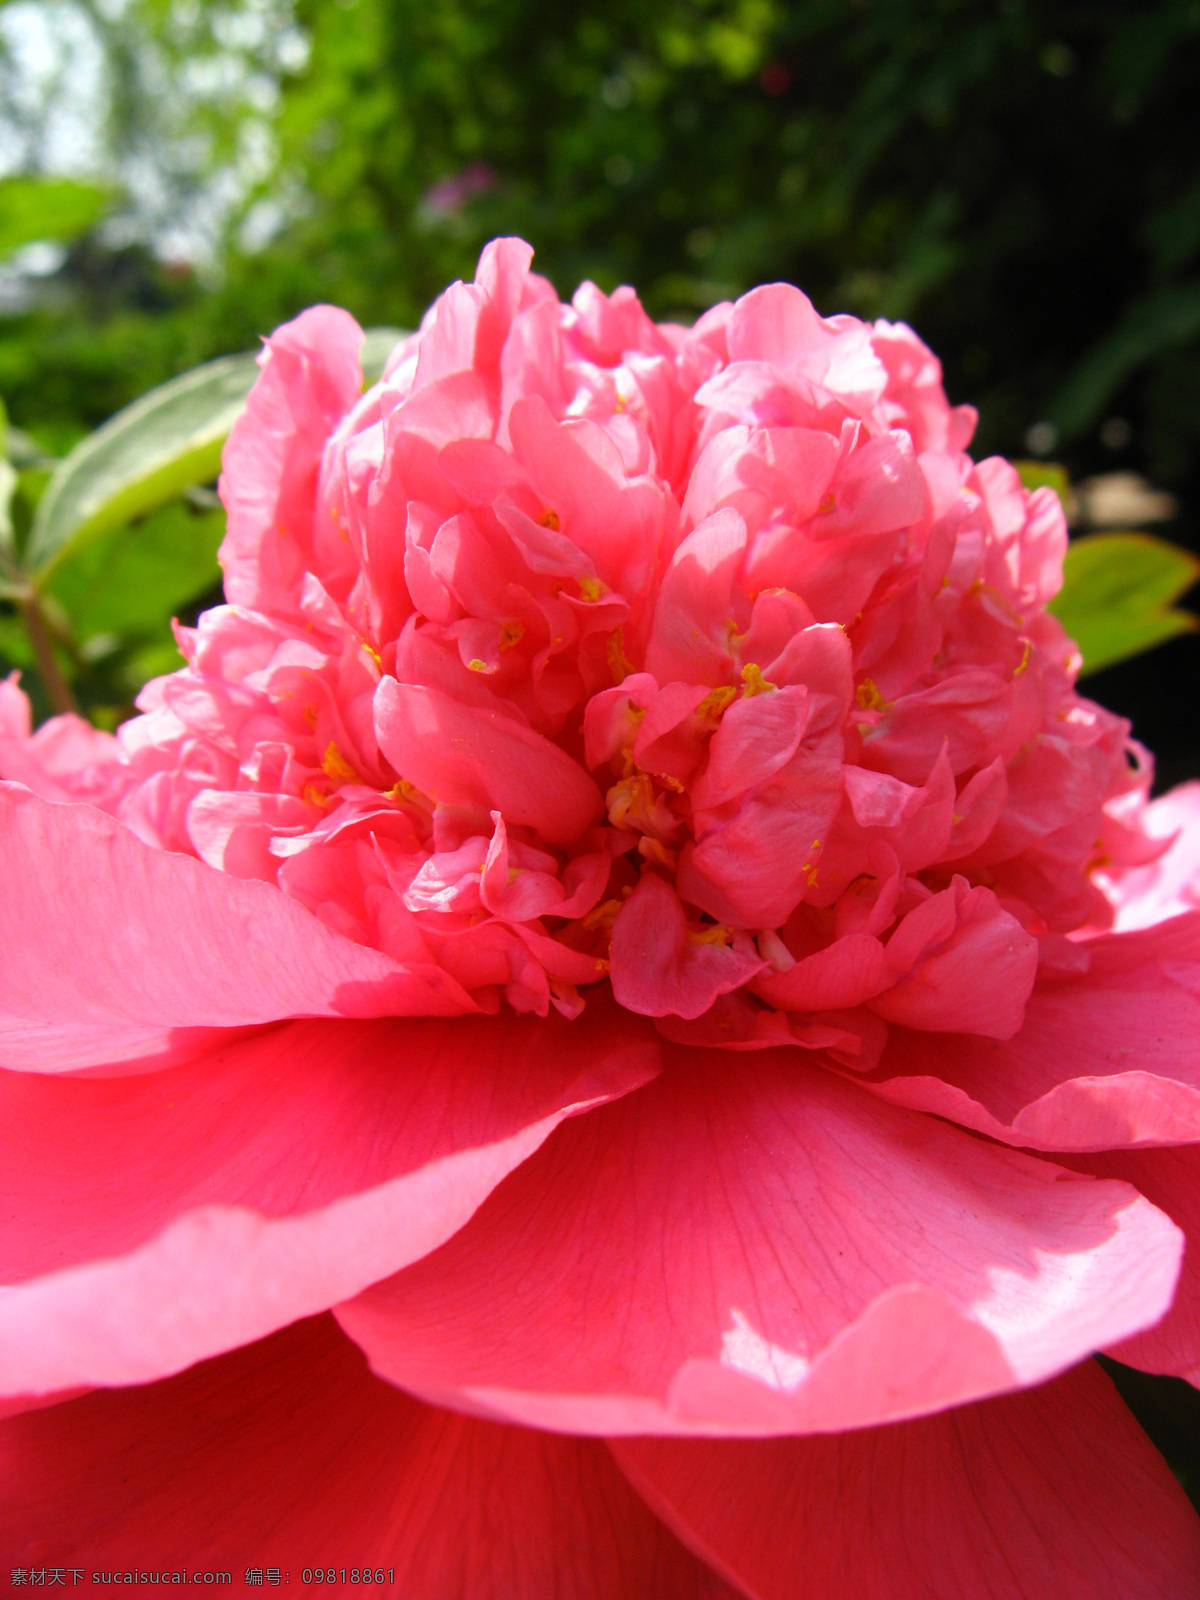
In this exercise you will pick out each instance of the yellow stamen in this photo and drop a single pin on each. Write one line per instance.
(550, 519)
(510, 634)
(654, 850)
(402, 791)
(711, 933)
(479, 666)
(619, 663)
(592, 588)
(712, 707)
(1024, 659)
(753, 681)
(335, 765)
(827, 502)
(868, 697)
(603, 915)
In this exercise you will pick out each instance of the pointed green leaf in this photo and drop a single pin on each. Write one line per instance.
(161, 445)
(147, 454)
(1117, 594)
(32, 209)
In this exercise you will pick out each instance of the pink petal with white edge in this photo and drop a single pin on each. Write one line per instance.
(769, 1251)
(1107, 1059)
(269, 1180)
(1170, 1179)
(115, 951)
(290, 1452)
(1054, 1494)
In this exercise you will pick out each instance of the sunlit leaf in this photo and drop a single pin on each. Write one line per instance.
(144, 456)
(130, 581)
(152, 451)
(1117, 594)
(60, 209)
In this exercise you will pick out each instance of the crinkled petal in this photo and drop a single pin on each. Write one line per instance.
(475, 757)
(1170, 1179)
(734, 1251)
(115, 951)
(1105, 1059)
(155, 1219)
(289, 1453)
(1054, 1494)
(1171, 884)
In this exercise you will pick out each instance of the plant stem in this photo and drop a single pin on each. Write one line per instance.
(58, 690)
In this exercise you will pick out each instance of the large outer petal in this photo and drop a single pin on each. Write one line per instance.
(114, 951)
(1054, 1494)
(290, 1454)
(151, 1220)
(1106, 1059)
(1170, 1179)
(765, 1251)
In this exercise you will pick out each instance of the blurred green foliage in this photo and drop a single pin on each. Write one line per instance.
(1021, 180)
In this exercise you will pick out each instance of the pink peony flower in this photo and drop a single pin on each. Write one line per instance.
(607, 911)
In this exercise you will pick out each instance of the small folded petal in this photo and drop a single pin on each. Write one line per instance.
(1108, 1056)
(1053, 1494)
(763, 1249)
(481, 759)
(660, 967)
(1171, 884)
(267, 1180)
(290, 1453)
(962, 964)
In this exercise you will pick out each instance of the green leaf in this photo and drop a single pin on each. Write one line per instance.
(130, 581)
(1117, 594)
(46, 208)
(146, 455)
(8, 484)
(161, 445)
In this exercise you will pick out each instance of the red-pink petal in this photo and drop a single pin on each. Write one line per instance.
(152, 1220)
(112, 949)
(310, 379)
(290, 1454)
(1054, 1494)
(753, 1248)
(1170, 1179)
(658, 970)
(476, 757)
(1107, 1058)
(974, 977)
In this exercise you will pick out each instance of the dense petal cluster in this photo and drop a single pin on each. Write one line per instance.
(596, 701)
(580, 647)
